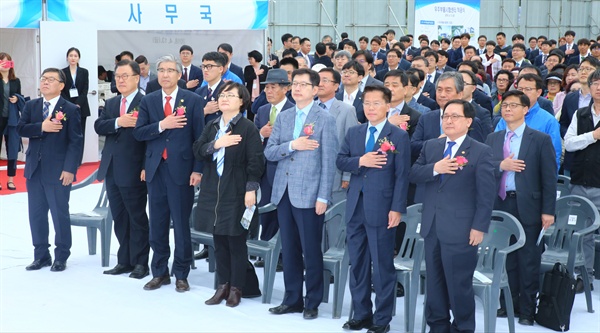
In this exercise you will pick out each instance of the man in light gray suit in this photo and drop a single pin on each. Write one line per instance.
(345, 117)
(304, 144)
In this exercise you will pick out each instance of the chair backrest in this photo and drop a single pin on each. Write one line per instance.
(335, 228)
(87, 181)
(563, 186)
(573, 214)
(412, 220)
(505, 234)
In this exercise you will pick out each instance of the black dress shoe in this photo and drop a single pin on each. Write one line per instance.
(503, 314)
(358, 324)
(182, 285)
(399, 290)
(157, 282)
(259, 263)
(526, 321)
(139, 272)
(201, 255)
(310, 313)
(379, 329)
(283, 309)
(58, 266)
(119, 269)
(39, 263)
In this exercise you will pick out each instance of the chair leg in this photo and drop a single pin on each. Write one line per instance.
(586, 288)
(91, 235)
(340, 288)
(269, 276)
(424, 320)
(326, 283)
(510, 309)
(490, 308)
(105, 235)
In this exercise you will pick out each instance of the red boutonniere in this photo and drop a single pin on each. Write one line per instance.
(309, 129)
(404, 126)
(461, 161)
(386, 146)
(135, 112)
(59, 116)
(180, 110)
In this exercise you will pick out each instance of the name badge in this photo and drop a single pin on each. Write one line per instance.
(73, 92)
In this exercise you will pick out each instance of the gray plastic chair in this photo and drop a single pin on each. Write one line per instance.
(491, 262)
(100, 218)
(573, 215)
(269, 251)
(335, 259)
(563, 186)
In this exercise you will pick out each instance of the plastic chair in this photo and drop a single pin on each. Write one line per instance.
(565, 245)
(335, 259)
(491, 263)
(563, 186)
(100, 218)
(269, 251)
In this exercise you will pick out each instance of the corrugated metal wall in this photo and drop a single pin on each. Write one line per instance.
(315, 18)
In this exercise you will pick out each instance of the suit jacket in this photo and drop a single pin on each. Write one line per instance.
(384, 189)
(311, 59)
(380, 55)
(345, 118)
(536, 185)
(485, 117)
(57, 152)
(250, 76)
(194, 74)
(306, 175)
(574, 60)
(414, 118)
(404, 64)
(447, 68)
(457, 57)
(371, 81)
(483, 100)
(357, 103)
(570, 105)
(237, 70)
(459, 202)
(203, 93)
(14, 88)
(178, 142)
(538, 60)
(120, 147)
(82, 82)
(151, 77)
(325, 60)
(533, 54)
(546, 104)
(153, 85)
(276, 58)
(429, 88)
(574, 54)
(428, 102)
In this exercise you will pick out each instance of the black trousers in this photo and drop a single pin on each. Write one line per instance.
(231, 253)
(12, 164)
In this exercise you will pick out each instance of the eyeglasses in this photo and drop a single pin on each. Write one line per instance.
(124, 77)
(49, 79)
(346, 72)
(526, 90)
(502, 80)
(228, 96)
(167, 70)
(375, 104)
(595, 84)
(506, 106)
(301, 84)
(586, 69)
(328, 81)
(454, 117)
(209, 67)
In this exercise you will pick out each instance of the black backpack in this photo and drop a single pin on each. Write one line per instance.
(556, 299)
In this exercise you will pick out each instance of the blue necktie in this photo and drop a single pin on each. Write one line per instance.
(448, 152)
(323, 106)
(298, 124)
(46, 110)
(371, 142)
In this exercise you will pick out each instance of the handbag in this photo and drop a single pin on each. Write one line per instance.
(556, 299)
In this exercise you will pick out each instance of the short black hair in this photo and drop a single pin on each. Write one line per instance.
(468, 109)
(519, 46)
(344, 35)
(445, 40)
(469, 63)
(364, 38)
(289, 61)
(61, 74)
(471, 76)
(501, 34)
(290, 51)
(320, 48)
(185, 48)
(425, 61)
(523, 99)
(432, 54)
(542, 37)
(532, 38)
(135, 67)
(315, 79)
(517, 36)
(570, 33)
(225, 47)
(285, 37)
(584, 41)
(404, 39)
(127, 53)
(442, 53)
(217, 57)
(241, 90)
(355, 66)
(337, 78)
(471, 47)
(399, 74)
(418, 72)
(547, 42)
(592, 61)
(539, 84)
(387, 94)
(141, 60)
(352, 44)
(511, 76)
(367, 54)
(465, 35)
(434, 42)
(305, 39)
(527, 66)
(482, 36)
(256, 55)
(395, 51)
(413, 79)
(490, 42)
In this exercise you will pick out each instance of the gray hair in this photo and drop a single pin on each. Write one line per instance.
(459, 83)
(169, 58)
(593, 77)
(343, 53)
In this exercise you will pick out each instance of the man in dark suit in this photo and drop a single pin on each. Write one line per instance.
(459, 187)
(569, 48)
(525, 169)
(428, 87)
(376, 200)
(192, 75)
(352, 74)
(478, 96)
(400, 114)
(393, 62)
(125, 55)
(304, 144)
(233, 68)
(170, 120)
(213, 67)
(122, 166)
(52, 125)
(365, 59)
(419, 96)
(321, 56)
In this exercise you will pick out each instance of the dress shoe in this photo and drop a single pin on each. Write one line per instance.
(58, 266)
(201, 255)
(283, 309)
(139, 272)
(579, 286)
(259, 263)
(310, 313)
(119, 269)
(157, 282)
(503, 314)
(221, 294)
(235, 296)
(358, 324)
(39, 263)
(526, 321)
(279, 267)
(182, 285)
(399, 290)
(379, 329)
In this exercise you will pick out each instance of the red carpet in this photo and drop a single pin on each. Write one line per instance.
(84, 170)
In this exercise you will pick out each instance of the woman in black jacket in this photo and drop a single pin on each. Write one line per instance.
(254, 74)
(9, 86)
(76, 87)
(232, 153)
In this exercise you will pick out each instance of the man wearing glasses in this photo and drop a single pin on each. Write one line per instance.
(55, 141)
(213, 67)
(352, 74)
(304, 144)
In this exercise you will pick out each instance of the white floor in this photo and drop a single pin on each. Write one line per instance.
(82, 299)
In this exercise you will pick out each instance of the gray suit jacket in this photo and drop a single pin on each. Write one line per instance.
(307, 174)
(345, 117)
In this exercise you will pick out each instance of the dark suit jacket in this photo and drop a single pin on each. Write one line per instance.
(237, 70)
(357, 103)
(485, 117)
(250, 76)
(384, 189)
(153, 85)
(82, 82)
(546, 104)
(194, 74)
(574, 54)
(483, 100)
(570, 105)
(404, 64)
(538, 60)
(429, 88)
(536, 185)
(203, 93)
(57, 152)
(414, 118)
(178, 142)
(457, 57)
(462, 201)
(276, 58)
(380, 55)
(120, 147)
(14, 88)
(325, 60)
(532, 56)
(574, 60)
(428, 102)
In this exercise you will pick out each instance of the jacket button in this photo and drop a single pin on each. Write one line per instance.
(167, 140)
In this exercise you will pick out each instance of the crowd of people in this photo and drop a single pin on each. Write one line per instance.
(382, 124)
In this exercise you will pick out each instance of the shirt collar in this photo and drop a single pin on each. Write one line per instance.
(173, 94)
(399, 107)
(52, 102)
(306, 109)
(214, 87)
(131, 96)
(327, 103)
(518, 131)
(458, 141)
(279, 106)
(364, 82)
(379, 126)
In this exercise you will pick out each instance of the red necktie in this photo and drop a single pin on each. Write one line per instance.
(168, 112)
(123, 106)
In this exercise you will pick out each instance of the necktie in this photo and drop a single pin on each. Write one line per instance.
(46, 110)
(323, 106)
(220, 154)
(429, 77)
(185, 74)
(350, 99)
(298, 124)
(371, 141)
(168, 112)
(543, 58)
(273, 115)
(209, 96)
(123, 106)
(447, 152)
(506, 151)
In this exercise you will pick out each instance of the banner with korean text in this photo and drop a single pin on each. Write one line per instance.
(444, 19)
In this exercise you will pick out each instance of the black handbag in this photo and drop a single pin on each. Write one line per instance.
(556, 299)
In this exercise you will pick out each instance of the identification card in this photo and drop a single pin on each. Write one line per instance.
(73, 92)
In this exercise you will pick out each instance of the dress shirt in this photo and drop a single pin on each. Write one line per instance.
(172, 102)
(584, 100)
(419, 107)
(129, 98)
(378, 127)
(459, 142)
(52, 104)
(144, 82)
(352, 95)
(515, 147)
(393, 109)
(305, 111)
(574, 142)
(363, 83)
